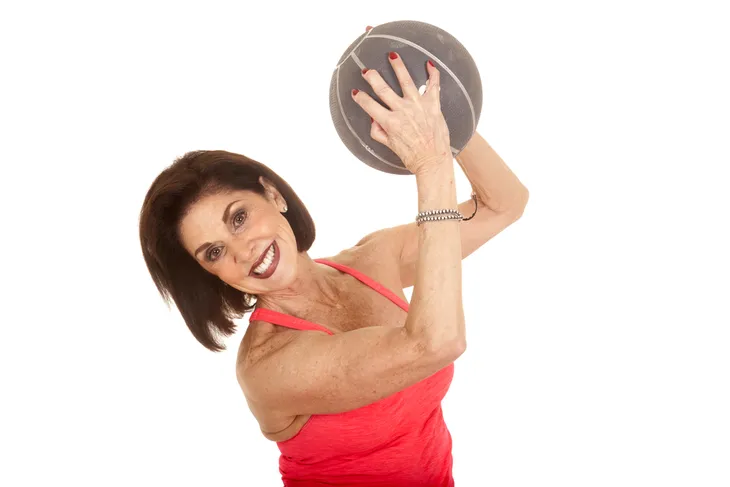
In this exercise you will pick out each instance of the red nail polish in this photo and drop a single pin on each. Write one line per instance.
(355, 92)
(431, 64)
(365, 70)
(368, 28)
(393, 55)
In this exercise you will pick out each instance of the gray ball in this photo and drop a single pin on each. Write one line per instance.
(416, 43)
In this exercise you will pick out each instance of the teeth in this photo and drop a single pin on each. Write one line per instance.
(264, 266)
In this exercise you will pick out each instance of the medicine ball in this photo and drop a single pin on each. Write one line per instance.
(416, 43)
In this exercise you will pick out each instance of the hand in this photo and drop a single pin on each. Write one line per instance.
(414, 127)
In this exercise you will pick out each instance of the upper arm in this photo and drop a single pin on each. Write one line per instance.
(311, 372)
(487, 223)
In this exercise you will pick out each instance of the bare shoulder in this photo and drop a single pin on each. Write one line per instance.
(375, 254)
(378, 244)
(261, 341)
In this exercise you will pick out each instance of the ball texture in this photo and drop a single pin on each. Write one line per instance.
(416, 43)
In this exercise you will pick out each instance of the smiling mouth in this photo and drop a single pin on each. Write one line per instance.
(266, 263)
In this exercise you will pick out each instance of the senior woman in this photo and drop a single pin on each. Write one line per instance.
(339, 370)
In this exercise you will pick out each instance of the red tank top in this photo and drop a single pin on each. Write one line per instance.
(398, 441)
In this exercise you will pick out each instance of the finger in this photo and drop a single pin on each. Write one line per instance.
(434, 82)
(378, 133)
(404, 77)
(381, 88)
(371, 107)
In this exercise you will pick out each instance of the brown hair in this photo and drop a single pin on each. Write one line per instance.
(207, 305)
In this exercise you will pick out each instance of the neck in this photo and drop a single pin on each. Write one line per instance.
(316, 285)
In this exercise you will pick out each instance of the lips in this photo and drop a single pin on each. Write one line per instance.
(261, 258)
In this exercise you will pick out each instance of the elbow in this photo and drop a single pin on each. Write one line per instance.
(451, 350)
(459, 348)
(517, 208)
(441, 349)
(439, 343)
(523, 198)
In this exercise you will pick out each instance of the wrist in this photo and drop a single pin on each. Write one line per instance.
(436, 188)
(436, 167)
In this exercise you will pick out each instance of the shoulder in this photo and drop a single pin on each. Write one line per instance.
(266, 357)
(378, 240)
(379, 248)
(259, 346)
(260, 340)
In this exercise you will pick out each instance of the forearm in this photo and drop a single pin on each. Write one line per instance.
(436, 310)
(495, 185)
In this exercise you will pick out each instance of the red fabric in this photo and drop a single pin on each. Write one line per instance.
(399, 441)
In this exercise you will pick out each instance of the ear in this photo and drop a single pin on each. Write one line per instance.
(272, 194)
(271, 191)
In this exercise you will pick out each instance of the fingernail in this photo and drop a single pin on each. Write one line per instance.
(371, 119)
(393, 55)
(431, 64)
(367, 29)
(365, 70)
(355, 92)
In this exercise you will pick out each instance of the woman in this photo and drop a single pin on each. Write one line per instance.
(335, 365)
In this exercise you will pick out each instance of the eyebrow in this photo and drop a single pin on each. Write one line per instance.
(224, 220)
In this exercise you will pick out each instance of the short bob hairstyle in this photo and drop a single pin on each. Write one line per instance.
(206, 303)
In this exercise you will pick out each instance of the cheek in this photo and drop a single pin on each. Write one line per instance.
(230, 271)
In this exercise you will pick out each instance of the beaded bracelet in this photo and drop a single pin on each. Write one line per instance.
(440, 215)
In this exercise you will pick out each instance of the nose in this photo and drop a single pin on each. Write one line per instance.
(244, 253)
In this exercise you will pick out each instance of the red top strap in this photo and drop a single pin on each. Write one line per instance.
(369, 281)
(289, 321)
(286, 320)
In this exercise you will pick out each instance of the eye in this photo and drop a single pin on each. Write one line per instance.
(239, 218)
(213, 254)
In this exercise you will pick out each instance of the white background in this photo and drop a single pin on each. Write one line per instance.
(597, 324)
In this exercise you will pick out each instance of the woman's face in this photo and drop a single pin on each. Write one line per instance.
(228, 233)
